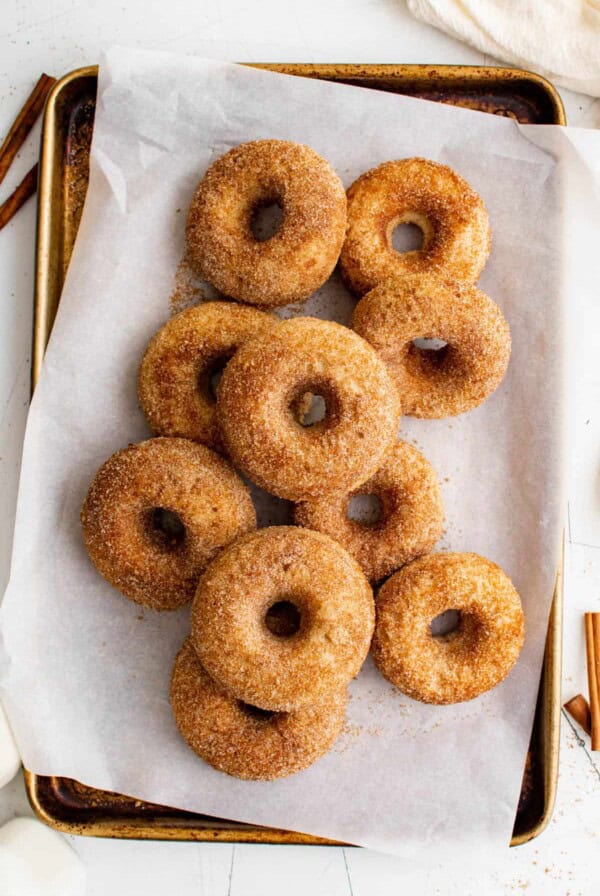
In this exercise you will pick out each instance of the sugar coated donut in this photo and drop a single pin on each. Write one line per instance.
(300, 256)
(450, 214)
(411, 519)
(245, 741)
(175, 381)
(456, 377)
(157, 513)
(467, 661)
(282, 617)
(259, 392)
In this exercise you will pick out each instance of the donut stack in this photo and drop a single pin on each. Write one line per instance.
(283, 617)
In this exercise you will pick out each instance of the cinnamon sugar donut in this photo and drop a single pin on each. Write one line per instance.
(282, 617)
(460, 375)
(257, 401)
(450, 214)
(464, 663)
(411, 520)
(245, 741)
(157, 513)
(302, 253)
(174, 384)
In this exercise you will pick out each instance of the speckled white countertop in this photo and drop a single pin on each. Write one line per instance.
(59, 35)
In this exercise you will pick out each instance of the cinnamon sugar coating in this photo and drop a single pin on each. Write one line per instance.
(303, 252)
(458, 377)
(245, 743)
(464, 663)
(450, 214)
(330, 594)
(130, 497)
(262, 386)
(412, 513)
(174, 384)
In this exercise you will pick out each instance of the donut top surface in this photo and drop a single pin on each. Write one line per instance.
(242, 740)
(301, 255)
(455, 378)
(450, 214)
(175, 384)
(467, 661)
(411, 518)
(203, 502)
(257, 408)
(266, 664)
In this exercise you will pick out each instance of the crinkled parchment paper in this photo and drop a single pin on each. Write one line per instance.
(85, 673)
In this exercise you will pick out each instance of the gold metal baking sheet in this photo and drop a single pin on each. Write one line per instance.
(73, 807)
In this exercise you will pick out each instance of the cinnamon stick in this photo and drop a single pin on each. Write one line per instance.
(592, 643)
(24, 122)
(19, 197)
(579, 709)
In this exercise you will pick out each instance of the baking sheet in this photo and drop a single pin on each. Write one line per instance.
(404, 777)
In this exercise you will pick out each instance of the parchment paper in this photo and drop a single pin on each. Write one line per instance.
(85, 673)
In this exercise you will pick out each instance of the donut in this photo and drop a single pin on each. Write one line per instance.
(282, 617)
(450, 214)
(258, 397)
(460, 375)
(157, 513)
(464, 663)
(242, 740)
(411, 519)
(302, 253)
(175, 380)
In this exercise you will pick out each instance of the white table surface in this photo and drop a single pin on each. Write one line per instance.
(59, 35)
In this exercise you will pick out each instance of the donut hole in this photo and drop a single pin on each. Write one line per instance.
(366, 510)
(266, 219)
(314, 405)
(310, 409)
(446, 625)
(430, 345)
(429, 354)
(255, 712)
(210, 375)
(165, 528)
(283, 619)
(407, 237)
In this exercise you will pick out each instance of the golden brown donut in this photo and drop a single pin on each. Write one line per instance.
(174, 384)
(245, 741)
(283, 617)
(452, 217)
(412, 513)
(258, 395)
(156, 514)
(302, 253)
(457, 377)
(464, 663)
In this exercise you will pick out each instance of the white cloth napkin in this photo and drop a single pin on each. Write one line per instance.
(557, 38)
